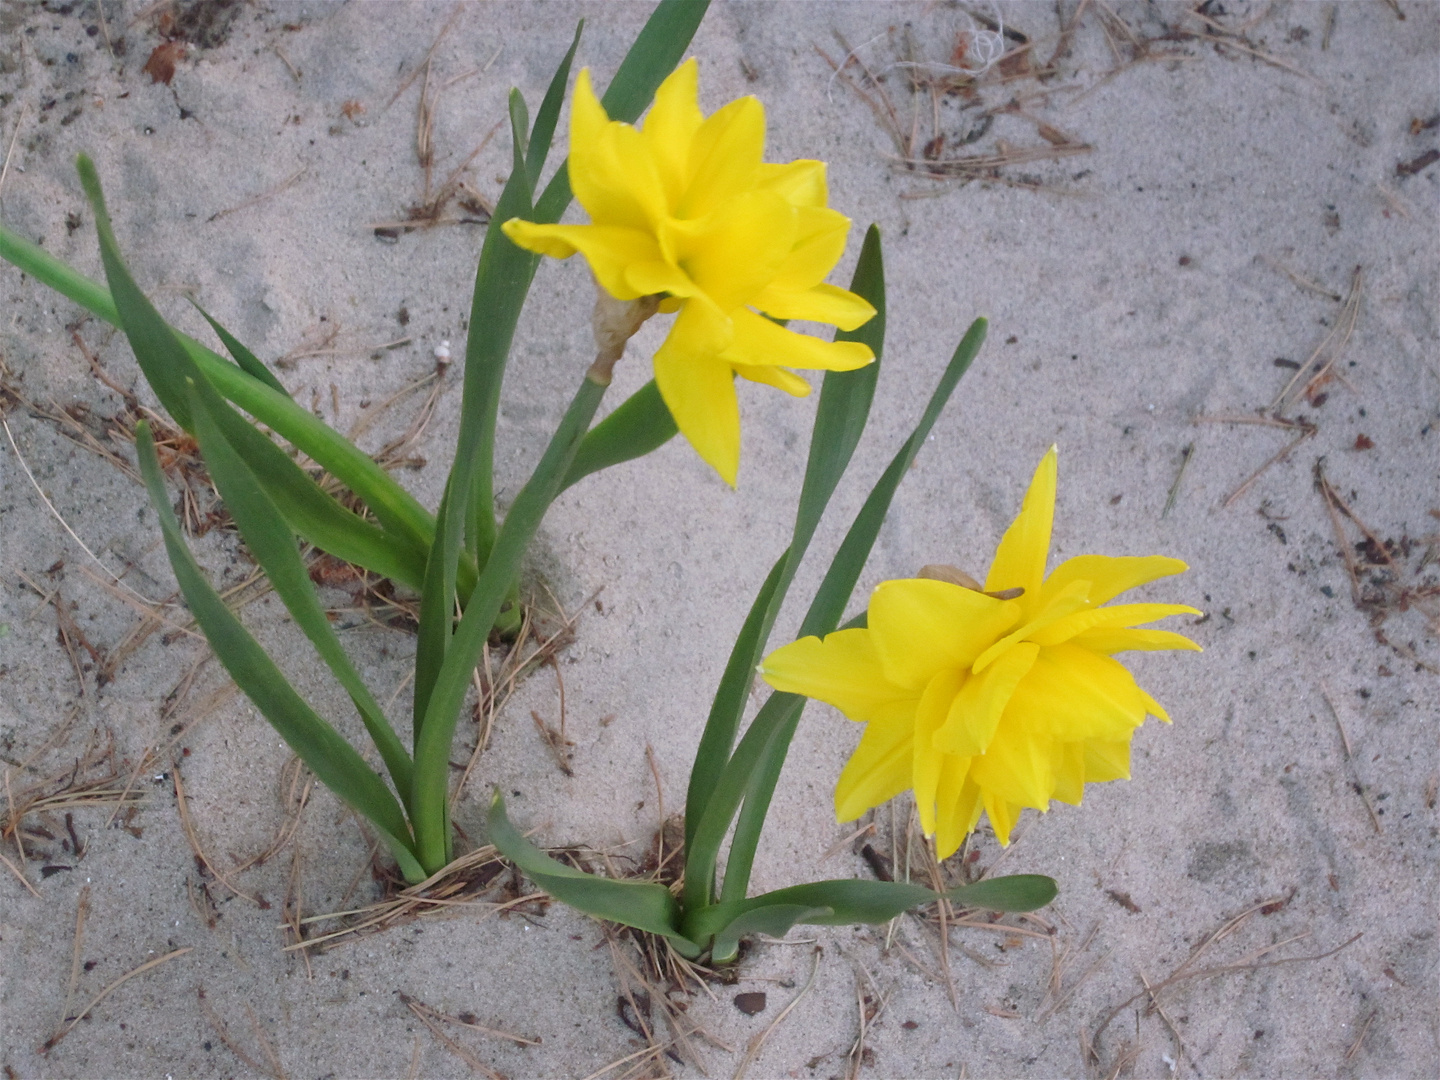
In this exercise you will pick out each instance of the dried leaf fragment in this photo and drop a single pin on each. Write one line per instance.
(161, 65)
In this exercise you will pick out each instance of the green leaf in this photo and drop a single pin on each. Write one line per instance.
(334, 761)
(839, 421)
(248, 361)
(843, 902)
(773, 920)
(437, 603)
(1018, 892)
(270, 540)
(501, 283)
(48, 270)
(400, 515)
(641, 424)
(829, 605)
(660, 46)
(169, 368)
(543, 132)
(835, 590)
(315, 515)
(165, 364)
(641, 904)
(432, 751)
(702, 847)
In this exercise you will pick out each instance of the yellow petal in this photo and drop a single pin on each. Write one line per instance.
(1107, 761)
(735, 252)
(1106, 618)
(671, 125)
(541, 239)
(1069, 767)
(609, 250)
(1074, 598)
(878, 770)
(724, 157)
(929, 715)
(1016, 766)
(1074, 694)
(800, 183)
(659, 276)
(976, 710)
(1020, 559)
(819, 242)
(921, 626)
(1110, 575)
(842, 670)
(1003, 815)
(823, 303)
(1153, 707)
(1113, 641)
(758, 342)
(699, 388)
(777, 377)
(611, 170)
(959, 806)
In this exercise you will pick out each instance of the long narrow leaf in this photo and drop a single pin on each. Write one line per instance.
(501, 283)
(251, 364)
(702, 849)
(316, 515)
(715, 743)
(169, 368)
(270, 540)
(641, 424)
(844, 901)
(835, 590)
(396, 509)
(543, 133)
(333, 760)
(432, 751)
(166, 365)
(845, 399)
(641, 904)
(829, 605)
(437, 603)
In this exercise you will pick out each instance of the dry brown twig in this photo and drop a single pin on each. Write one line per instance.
(1355, 781)
(456, 888)
(752, 1051)
(187, 825)
(271, 1066)
(149, 965)
(431, 1019)
(1186, 972)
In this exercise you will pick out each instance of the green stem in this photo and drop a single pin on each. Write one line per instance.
(432, 750)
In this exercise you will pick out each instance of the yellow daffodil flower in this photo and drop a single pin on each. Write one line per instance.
(686, 207)
(990, 700)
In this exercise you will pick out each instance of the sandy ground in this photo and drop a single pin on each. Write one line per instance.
(1204, 243)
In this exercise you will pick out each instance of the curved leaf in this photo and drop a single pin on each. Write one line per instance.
(641, 904)
(842, 902)
(641, 424)
(248, 361)
(829, 605)
(165, 369)
(271, 541)
(334, 761)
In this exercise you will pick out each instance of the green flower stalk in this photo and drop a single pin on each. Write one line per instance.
(458, 558)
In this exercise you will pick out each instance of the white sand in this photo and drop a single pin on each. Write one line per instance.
(1129, 300)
